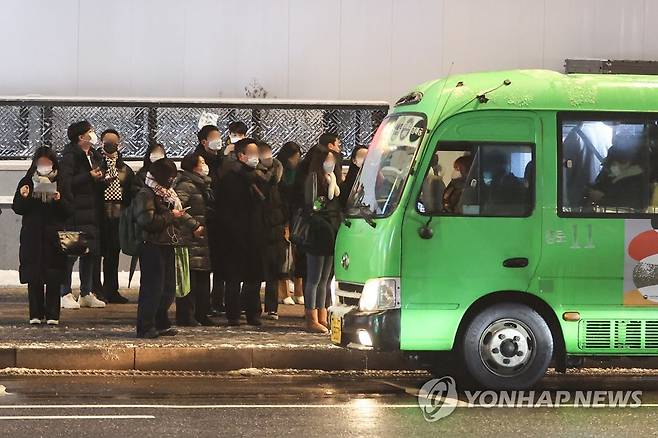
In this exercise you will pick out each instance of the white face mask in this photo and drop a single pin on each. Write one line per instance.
(234, 139)
(215, 145)
(359, 162)
(205, 170)
(252, 162)
(329, 166)
(456, 174)
(44, 170)
(93, 138)
(155, 157)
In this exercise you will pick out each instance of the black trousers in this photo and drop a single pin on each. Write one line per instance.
(196, 304)
(218, 293)
(272, 296)
(41, 308)
(111, 251)
(157, 289)
(249, 293)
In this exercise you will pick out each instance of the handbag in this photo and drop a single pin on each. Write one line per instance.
(182, 256)
(300, 229)
(73, 243)
(300, 233)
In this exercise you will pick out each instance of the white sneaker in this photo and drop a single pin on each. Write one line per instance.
(91, 301)
(299, 300)
(289, 301)
(52, 322)
(68, 302)
(35, 321)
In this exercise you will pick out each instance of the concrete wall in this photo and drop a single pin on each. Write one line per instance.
(329, 49)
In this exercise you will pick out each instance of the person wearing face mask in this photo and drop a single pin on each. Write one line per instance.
(242, 233)
(193, 189)
(209, 147)
(323, 206)
(356, 161)
(44, 210)
(81, 173)
(119, 188)
(327, 143)
(155, 152)
(289, 156)
(453, 193)
(236, 132)
(160, 217)
(270, 172)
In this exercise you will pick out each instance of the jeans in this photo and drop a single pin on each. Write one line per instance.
(157, 289)
(40, 308)
(249, 293)
(317, 284)
(86, 274)
(195, 305)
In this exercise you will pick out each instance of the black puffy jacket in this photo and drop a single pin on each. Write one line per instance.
(194, 192)
(86, 193)
(41, 261)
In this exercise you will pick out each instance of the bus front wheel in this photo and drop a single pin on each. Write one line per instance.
(507, 346)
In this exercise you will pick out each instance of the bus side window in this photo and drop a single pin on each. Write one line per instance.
(483, 180)
(607, 166)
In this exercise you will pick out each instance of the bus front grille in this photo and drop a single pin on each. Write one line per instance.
(618, 335)
(349, 294)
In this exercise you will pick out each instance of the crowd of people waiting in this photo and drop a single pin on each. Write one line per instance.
(230, 205)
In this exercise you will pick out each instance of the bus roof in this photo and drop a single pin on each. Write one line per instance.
(535, 90)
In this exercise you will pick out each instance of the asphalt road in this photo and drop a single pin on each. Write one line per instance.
(303, 405)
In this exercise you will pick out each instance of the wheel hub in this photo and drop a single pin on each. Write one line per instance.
(506, 347)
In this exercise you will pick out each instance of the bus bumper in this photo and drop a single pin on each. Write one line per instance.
(352, 328)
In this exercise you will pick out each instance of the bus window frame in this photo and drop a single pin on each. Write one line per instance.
(455, 146)
(594, 116)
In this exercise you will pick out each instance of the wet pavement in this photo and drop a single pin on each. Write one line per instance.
(115, 326)
(333, 404)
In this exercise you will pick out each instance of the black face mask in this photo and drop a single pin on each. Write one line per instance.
(109, 147)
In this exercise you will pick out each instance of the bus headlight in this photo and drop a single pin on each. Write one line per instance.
(380, 294)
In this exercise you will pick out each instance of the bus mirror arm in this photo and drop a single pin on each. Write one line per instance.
(426, 232)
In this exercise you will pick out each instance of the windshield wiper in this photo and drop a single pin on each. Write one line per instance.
(363, 211)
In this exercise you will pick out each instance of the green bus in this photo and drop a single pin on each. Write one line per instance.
(509, 220)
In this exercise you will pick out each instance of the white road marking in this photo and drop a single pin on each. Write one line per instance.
(77, 417)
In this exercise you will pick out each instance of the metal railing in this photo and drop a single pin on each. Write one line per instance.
(29, 122)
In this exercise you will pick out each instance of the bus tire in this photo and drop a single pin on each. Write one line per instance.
(507, 346)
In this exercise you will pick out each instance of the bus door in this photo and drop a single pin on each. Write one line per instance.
(471, 226)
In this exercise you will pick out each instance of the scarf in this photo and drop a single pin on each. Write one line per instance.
(334, 190)
(113, 192)
(167, 195)
(37, 180)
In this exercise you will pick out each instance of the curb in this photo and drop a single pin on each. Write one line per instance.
(199, 359)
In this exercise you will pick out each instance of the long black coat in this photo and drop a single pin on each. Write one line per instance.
(85, 191)
(275, 217)
(40, 259)
(242, 231)
(194, 192)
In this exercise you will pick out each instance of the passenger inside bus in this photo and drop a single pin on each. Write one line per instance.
(623, 183)
(453, 193)
(433, 187)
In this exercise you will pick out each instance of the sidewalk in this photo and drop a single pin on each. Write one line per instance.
(104, 339)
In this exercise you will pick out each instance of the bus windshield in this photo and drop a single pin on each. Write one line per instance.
(378, 188)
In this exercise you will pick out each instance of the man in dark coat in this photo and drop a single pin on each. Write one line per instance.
(119, 187)
(210, 144)
(242, 234)
(80, 169)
